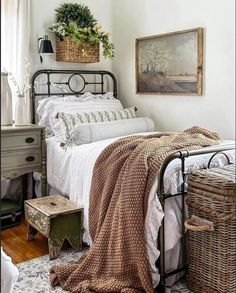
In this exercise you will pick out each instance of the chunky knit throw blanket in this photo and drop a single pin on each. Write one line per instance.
(122, 178)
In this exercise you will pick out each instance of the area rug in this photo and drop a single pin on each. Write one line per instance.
(34, 275)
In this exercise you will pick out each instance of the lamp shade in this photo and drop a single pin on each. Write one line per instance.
(45, 46)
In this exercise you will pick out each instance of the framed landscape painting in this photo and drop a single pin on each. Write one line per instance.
(170, 64)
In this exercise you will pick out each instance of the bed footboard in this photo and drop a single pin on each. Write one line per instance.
(181, 155)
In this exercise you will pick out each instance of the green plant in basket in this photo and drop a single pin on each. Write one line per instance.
(77, 13)
(77, 22)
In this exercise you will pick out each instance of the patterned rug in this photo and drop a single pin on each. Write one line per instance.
(34, 275)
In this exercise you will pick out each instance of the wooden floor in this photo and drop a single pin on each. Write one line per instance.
(15, 244)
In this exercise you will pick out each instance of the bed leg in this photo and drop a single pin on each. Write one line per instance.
(160, 288)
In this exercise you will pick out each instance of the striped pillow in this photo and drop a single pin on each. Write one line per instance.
(70, 121)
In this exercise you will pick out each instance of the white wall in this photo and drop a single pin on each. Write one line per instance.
(215, 109)
(130, 19)
(42, 17)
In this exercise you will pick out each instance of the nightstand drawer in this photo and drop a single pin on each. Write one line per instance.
(23, 151)
(20, 140)
(19, 159)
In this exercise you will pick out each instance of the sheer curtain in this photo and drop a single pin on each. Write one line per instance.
(15, 26)
(15, 31)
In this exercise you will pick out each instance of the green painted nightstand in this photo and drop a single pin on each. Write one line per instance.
(23, 151)
(58, 219)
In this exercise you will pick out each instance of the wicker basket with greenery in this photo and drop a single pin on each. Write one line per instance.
(79, 35)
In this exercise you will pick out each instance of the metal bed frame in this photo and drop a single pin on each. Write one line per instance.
(84, 83)
(181, 155)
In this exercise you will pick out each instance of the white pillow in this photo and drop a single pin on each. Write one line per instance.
(49, 107)
(70, 121)
(91, 132)
(44, 104)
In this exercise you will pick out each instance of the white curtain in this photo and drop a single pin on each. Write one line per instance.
(15, 32)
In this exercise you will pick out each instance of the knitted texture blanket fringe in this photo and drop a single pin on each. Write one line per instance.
(122, 178)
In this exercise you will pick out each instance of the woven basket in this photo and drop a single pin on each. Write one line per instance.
(68, 51)
(212, 231)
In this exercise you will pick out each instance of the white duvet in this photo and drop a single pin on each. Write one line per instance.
(70, 172)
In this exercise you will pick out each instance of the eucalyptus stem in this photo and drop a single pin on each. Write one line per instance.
(27, 86)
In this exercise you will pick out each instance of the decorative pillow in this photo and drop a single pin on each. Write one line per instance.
(91, 132)
(73, 104)
(70, 121)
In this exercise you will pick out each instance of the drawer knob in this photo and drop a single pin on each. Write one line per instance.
(29, 159)
(29, 140)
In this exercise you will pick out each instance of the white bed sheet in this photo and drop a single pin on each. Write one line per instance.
(70, 172)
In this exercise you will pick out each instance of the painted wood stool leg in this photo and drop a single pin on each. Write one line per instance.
(31, 232)
(75, 242)
(63, 227)
(54, 247)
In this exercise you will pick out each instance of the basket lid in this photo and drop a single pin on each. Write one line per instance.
(220, 181)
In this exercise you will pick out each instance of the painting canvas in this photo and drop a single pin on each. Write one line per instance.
(170, 63)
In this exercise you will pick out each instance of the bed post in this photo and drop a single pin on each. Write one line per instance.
(44, 166)
(183, 193)
(162, 197)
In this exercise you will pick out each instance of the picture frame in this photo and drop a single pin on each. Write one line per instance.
(170, 64)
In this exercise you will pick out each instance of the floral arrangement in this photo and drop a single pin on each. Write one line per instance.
(77, 22)
(26, 85)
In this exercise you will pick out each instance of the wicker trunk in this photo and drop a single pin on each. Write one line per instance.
(68, 51)
(212, 231)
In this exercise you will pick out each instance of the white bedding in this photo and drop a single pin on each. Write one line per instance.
(70, 172)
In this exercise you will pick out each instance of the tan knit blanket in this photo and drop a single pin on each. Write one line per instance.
(122, 178)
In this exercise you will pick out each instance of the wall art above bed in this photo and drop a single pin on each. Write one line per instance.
(170, 64)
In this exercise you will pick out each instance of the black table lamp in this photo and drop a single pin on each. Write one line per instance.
(45, 46)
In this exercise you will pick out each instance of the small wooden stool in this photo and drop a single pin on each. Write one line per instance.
(57, 219)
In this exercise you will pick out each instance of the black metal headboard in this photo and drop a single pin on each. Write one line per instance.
(98, 80)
